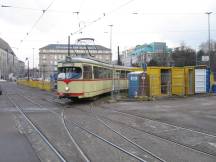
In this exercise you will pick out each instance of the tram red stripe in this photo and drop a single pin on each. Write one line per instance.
(77, 80)
(70, 94)
(99, 90)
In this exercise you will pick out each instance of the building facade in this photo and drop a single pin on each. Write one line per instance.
(52, 53)
(9, 63)
(145, 53)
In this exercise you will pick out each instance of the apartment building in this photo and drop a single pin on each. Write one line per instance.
(52, 53)
(145, 53)
(9, 63)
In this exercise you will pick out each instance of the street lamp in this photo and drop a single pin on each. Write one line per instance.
(208, 13)
(28, 66)
(33, 62)
(111, 42)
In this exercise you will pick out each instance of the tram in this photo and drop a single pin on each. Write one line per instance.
(85, 78)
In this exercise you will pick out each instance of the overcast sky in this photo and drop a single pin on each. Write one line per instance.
(170, 21)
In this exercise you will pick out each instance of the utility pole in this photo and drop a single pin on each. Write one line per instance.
(119, 60)
(33, 63)
(69, 45)
(28, 67)
(113, 70)
(209, 38)
(111, 43)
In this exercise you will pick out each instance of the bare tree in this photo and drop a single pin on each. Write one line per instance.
(184, 56)
(204, 50)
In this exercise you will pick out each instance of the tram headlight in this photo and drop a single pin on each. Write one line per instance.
(67, 88)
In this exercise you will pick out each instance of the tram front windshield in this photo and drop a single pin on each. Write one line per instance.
(69, 73)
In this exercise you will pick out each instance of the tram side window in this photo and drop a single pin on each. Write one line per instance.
(127, 72)
(97, 72)
(117, 74)
(123, 74)
(102, 73)
(87, 72)
(108, 73)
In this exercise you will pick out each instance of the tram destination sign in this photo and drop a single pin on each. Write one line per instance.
(68, 64)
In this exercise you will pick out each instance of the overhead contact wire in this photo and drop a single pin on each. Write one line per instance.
(36, 22)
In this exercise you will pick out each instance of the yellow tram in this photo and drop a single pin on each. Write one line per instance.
(84, 78)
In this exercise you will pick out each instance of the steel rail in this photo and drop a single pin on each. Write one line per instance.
(45, 139)
(165, 123)
(162, 138)
(127, 139)
(169, 140)
(149, 119)
(72, 139)
(105, 140)
(65, 127)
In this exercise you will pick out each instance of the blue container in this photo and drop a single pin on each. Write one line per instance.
(133, 83)
(208, 86)
(214, 88)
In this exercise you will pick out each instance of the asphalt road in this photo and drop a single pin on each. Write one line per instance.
(14, 146)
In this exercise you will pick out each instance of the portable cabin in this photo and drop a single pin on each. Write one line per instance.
(189, 80)
(213, 82)
(159, 81)
(178, 81)
(202, 79)
(208, 81)
(137, 84)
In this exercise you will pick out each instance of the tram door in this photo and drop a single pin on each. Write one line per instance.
(87, 76)
(191, 79)
(116, 80)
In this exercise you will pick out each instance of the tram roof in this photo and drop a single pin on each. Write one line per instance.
(91, 61)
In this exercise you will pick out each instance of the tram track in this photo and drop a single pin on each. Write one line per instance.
(152, 134)
(64, 121)
(107, 141)
(155, 134)
(61, 117)
(116, 132)
(42, 135)
(157, 121)
(126, 138)
(36, 127)
(75, 124)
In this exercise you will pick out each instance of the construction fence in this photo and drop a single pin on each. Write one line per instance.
(43, 85)
(154, 82)
(168, 81)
